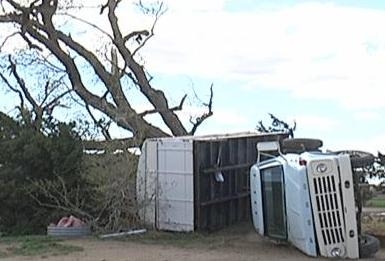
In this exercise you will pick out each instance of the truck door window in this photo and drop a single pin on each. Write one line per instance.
(273, 196)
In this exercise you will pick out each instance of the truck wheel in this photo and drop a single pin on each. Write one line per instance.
(368, 246)
(300, 145)
(359, 159)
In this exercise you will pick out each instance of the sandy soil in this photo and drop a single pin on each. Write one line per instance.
(252, 248)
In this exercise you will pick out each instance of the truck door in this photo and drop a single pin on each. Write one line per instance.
(273, 202)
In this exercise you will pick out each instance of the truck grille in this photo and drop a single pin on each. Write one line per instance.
(328, 209)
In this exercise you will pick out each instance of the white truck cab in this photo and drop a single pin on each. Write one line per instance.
(307, 199)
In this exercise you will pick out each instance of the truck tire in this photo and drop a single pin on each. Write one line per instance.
(359, 159)
(297, 145)
(368, 246)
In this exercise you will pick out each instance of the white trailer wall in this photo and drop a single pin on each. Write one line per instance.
(165, 184)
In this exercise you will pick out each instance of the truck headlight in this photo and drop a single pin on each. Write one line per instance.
(336, 252)
(321, 168)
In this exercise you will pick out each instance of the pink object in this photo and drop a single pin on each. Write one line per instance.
(76, 222)
(62, 222)
(70, 221)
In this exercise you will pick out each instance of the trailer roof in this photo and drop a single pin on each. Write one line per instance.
(218, 136)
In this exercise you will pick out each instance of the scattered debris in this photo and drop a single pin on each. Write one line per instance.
(69, 227)
(126, 233)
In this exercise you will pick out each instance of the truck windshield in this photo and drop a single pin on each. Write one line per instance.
(273, 196)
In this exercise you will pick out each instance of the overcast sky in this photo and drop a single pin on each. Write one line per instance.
(320, 63)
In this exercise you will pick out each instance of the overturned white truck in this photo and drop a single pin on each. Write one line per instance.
(306, 197)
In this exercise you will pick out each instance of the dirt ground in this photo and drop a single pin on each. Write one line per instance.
(248, 247)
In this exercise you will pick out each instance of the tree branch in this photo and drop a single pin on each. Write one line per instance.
(158, 13)
(112, 5)
(55, 102)
(104, 129)
(89, 24)
(176, 108)
(16, 5)
(58, 196)
(36, 108)
(38, 28)
(6, 39)
(204, 116)
(30, 44)
(155, 97)
(125, 117)
(20, 94)
(136, 34)
(50, 88)
(90, 57)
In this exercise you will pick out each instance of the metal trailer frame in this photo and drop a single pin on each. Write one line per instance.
(198, 182)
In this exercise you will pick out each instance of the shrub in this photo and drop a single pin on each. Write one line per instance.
(27, 158)
(44, 175)
(113, 178)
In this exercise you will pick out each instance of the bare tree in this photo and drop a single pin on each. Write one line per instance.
(50, 98)
(35, 23)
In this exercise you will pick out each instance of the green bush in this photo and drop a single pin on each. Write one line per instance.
(29, 158)
(44, 175)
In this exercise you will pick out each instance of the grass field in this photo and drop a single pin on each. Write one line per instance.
(34, 245)
(377, 201)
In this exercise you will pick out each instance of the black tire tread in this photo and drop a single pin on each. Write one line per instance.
(299, 145)
(368, 246)
(359, 159)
